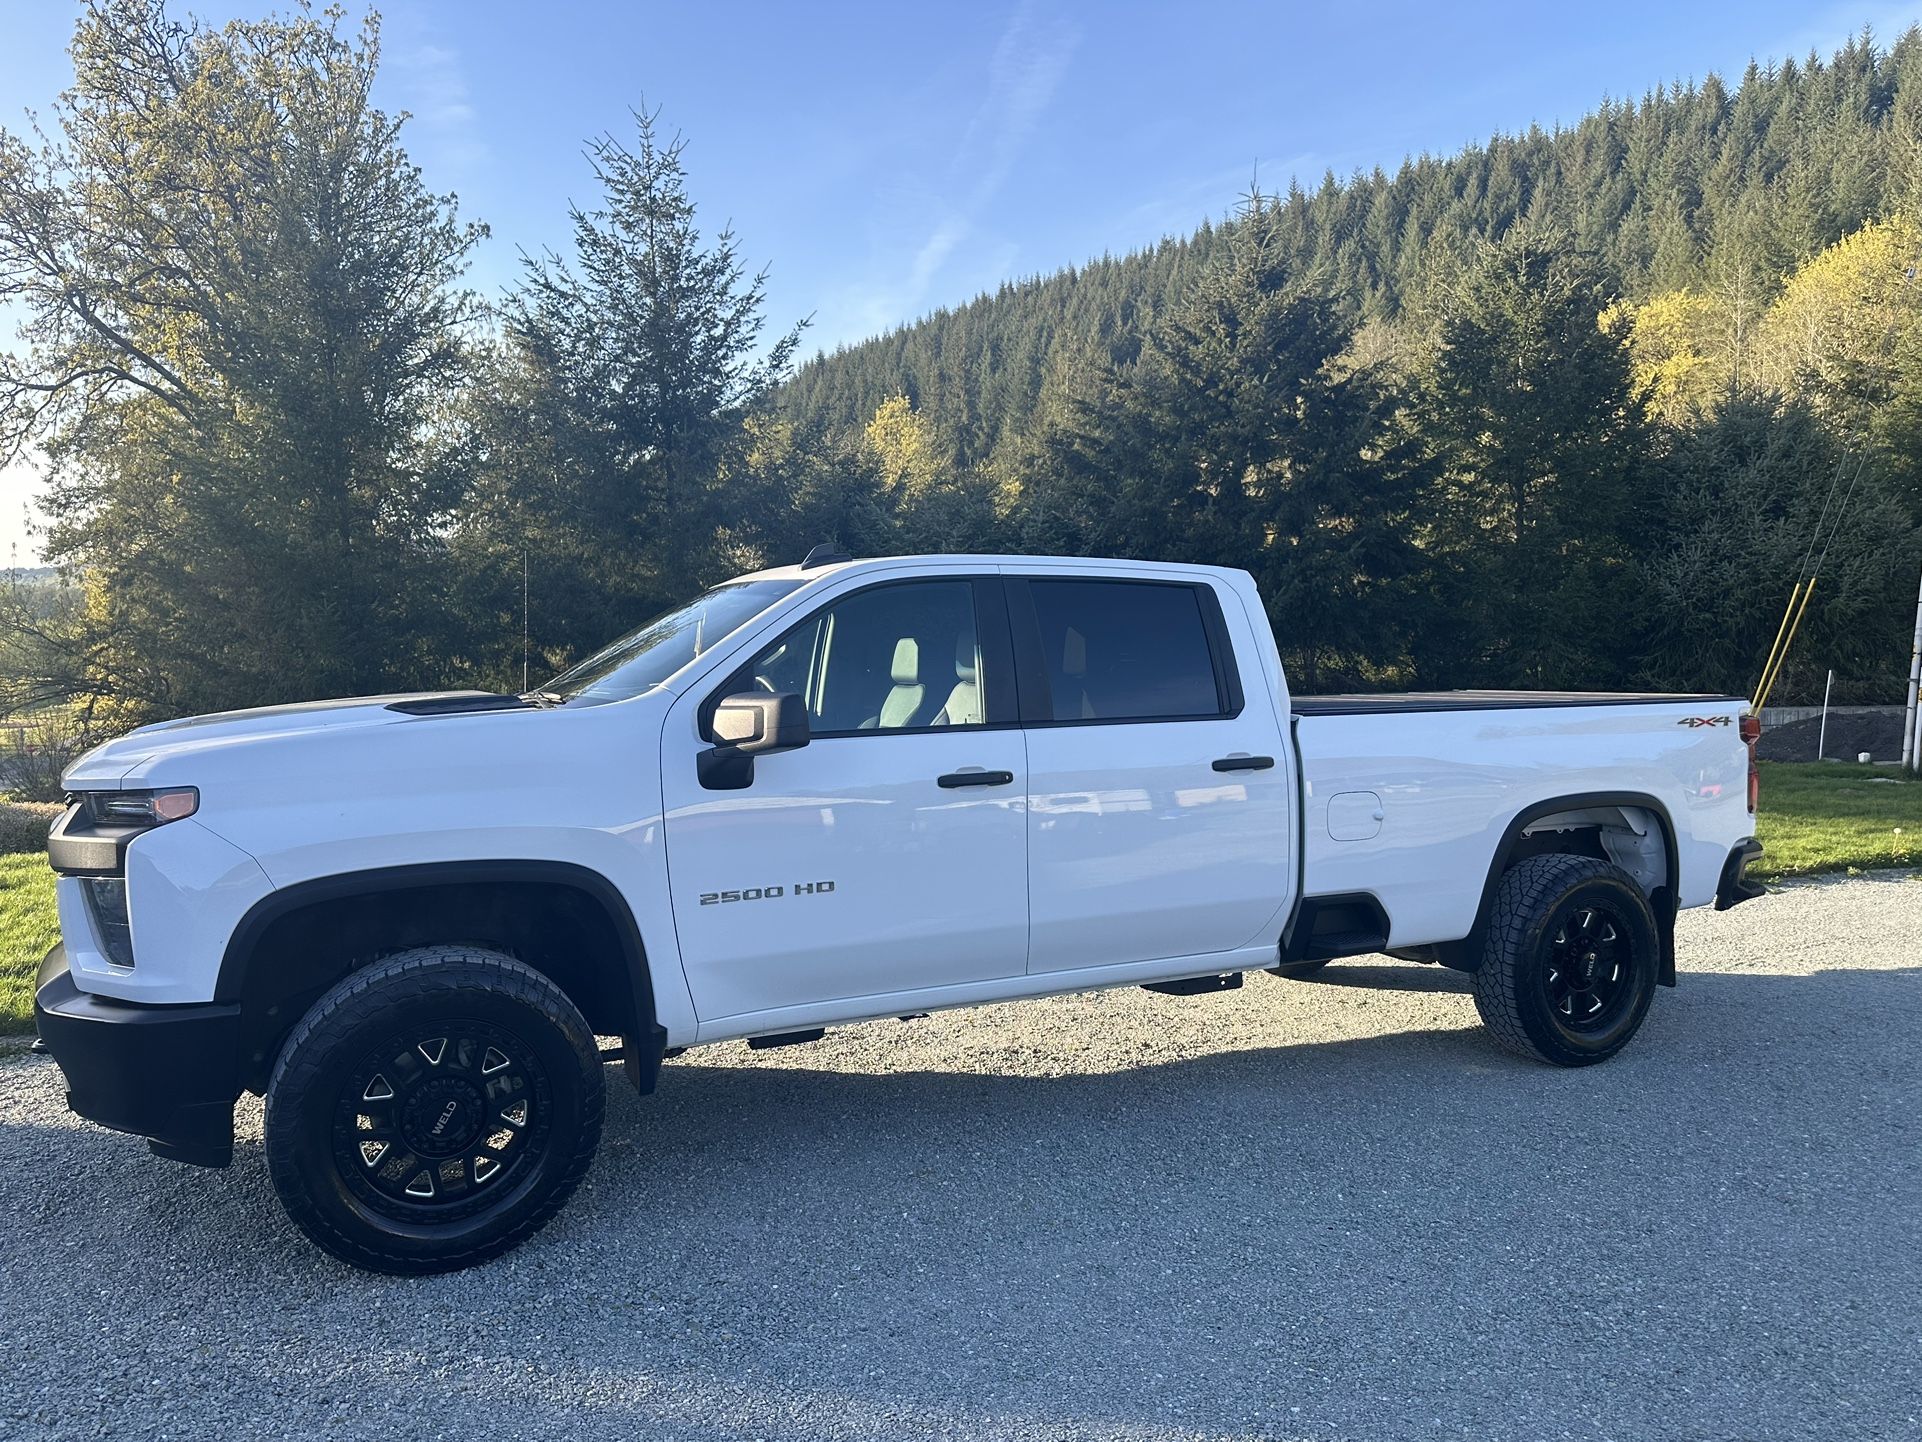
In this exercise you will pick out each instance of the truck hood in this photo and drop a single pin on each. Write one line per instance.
(116, 762)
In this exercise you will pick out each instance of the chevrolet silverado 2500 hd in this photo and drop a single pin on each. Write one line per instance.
(815, 795)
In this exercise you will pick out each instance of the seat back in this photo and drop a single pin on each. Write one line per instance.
(905, 697)
(1074, 667)
(963, 706)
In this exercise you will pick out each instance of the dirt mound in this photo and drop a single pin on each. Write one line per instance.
(1879, 733)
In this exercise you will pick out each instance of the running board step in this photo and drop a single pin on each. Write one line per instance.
(1334, 945)
(1196, 985)
(785, 1038)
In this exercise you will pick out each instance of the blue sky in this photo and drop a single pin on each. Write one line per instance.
(885, 159)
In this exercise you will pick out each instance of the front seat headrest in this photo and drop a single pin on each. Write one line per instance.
(965, 658)
(907, 661)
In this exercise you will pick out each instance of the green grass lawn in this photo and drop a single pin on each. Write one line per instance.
(1837, 816)
(27, 929)
(1824, 816)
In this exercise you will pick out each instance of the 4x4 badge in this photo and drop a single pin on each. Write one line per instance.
(1706, 721)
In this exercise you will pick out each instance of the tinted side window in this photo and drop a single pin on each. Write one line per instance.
(893, 658)
(1119, 650)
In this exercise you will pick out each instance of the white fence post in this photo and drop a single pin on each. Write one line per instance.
(1911, 719)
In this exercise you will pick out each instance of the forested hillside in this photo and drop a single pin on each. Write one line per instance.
(1694, 186)
(1566, 406)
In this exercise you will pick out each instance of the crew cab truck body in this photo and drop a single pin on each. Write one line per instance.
(820, 794)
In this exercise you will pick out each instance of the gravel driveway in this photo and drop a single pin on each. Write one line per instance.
(1299, 1210)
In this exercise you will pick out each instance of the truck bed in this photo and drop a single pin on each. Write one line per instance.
(1407, 797)
(1379, 702)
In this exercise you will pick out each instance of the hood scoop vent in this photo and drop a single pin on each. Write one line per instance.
(459, 703)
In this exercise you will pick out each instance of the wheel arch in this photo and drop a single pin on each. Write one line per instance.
(328, 926)
(1580, 810)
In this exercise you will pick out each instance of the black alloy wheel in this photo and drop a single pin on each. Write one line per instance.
(1590, 975)
(433, 1125)
(433, 1110)
(1569, 960)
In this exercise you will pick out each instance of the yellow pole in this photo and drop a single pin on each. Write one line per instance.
(1767, 683)
(1780, 632)
(1786, 644)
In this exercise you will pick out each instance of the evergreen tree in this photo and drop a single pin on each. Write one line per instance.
(1244, 436)
(616, 453)
(1693, 186)
(1738, 507)
(1529, 408)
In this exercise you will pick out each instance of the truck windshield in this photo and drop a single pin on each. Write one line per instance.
(642, 659)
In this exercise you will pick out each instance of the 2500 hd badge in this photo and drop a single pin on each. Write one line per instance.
(766, 893)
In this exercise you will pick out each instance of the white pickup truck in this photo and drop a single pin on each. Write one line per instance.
(816, 795)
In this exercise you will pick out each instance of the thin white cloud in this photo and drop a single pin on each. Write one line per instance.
(431, 86)
(933, 254)
(1025, 70)
(1028, 63)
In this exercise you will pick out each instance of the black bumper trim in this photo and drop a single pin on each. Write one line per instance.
(167, 1073)
(1735, 887)
(77, 846)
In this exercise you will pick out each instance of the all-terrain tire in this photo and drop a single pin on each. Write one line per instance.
(433, 1110)
(1569, 964)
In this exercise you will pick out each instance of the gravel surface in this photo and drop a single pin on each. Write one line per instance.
(1300, 1210)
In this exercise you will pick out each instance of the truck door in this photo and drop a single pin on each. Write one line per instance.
(889, 854)
(1159, 820)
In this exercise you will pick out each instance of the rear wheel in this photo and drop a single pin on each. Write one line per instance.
(433, 1110)
(1569, 965)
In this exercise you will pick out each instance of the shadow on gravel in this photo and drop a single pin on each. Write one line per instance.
(1398, 1236)
(1374, 976)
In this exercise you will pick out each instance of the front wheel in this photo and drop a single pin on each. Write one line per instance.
(1569, 965)
(433, 1110)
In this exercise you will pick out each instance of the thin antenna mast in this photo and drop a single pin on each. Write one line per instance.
(524, 681)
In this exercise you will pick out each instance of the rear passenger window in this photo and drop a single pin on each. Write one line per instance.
(1125, 651)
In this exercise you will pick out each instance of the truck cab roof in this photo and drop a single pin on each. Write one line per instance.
(800, 571)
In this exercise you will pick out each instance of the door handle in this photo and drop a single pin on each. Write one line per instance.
(1244, 763)
(974, 778)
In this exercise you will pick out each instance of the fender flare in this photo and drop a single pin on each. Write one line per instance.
(236, 961)
(1465, 955)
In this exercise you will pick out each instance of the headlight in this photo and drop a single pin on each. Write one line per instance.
(142, 808)
(90, 843)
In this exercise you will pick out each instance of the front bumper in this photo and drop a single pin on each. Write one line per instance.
(1735, 887)
(167, 1073)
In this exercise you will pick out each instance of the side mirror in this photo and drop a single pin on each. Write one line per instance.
(754, 723)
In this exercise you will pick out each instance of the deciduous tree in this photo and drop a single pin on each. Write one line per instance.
(242, 323)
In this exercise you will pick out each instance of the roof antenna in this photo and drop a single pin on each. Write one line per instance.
(824, 554)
